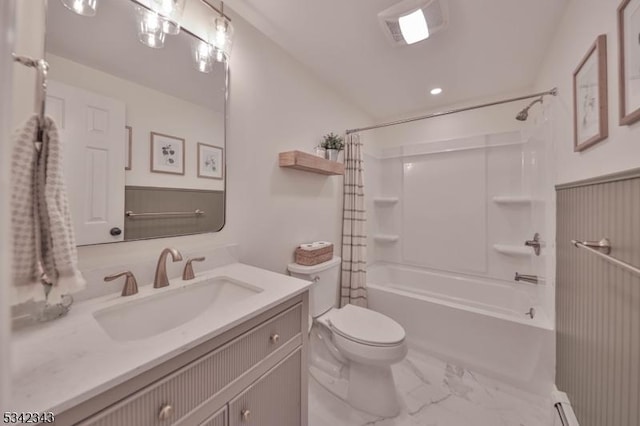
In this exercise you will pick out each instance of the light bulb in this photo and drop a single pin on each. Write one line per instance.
(170, 12)
(203, 56)
(222, 36)
(150, 28)
(81, 7)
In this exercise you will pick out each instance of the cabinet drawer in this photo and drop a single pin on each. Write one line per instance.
(218, 419)
(195, 383)
(274, 400)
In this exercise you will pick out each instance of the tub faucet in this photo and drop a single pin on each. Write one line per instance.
(161, 279)
(533, 279)
(535, 244)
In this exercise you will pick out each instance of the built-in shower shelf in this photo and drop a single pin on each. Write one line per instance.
(385, 201)
(512, 199)
(386, 238)
(513, 250)
(310, 163)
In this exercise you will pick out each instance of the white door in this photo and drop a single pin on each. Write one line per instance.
(92, 131)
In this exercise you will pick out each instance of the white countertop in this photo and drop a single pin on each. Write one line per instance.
(60, 364)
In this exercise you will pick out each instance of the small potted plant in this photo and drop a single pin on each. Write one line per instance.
(333, 144)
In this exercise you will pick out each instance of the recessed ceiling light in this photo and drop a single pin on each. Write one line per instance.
(414, 27)
(436, 91)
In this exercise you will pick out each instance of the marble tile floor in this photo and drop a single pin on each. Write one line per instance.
(436, 393)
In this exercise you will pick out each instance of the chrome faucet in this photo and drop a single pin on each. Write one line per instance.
(161, 279)
(533, 279)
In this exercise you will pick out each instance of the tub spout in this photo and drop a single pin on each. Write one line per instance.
(532, 279)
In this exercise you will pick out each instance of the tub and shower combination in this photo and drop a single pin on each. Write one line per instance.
(481, 324)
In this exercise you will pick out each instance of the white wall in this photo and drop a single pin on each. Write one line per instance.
(277, 105)
(496, 119)
(148, 110)
(7, 12)
(582, 22)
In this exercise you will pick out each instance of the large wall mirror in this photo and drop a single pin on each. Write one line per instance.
(143, 128)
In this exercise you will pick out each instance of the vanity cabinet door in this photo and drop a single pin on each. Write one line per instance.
(218, 419)
(273, 400)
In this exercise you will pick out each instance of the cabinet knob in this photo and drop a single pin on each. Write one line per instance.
(245, 414)
(275, 338)
(165, 412)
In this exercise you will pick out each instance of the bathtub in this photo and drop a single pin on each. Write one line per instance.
(477, 323)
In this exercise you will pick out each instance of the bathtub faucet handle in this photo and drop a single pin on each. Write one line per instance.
(535, 243)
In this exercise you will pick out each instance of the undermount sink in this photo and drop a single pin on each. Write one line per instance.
(155, 314)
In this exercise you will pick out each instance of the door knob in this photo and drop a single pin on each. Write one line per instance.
(115, 231)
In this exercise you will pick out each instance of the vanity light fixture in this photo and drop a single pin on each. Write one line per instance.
(150, 28)
(82, 7)
(436, 91)
(203, 55)
(222, 36)
(170, 12)
(414, 27)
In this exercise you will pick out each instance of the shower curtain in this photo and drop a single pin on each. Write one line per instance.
(354, 238)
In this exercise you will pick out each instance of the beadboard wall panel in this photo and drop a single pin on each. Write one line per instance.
(598, 303)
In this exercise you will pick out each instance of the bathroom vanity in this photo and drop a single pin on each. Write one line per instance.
(238, 362)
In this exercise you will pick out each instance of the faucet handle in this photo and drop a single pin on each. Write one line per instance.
(130, 285)
(188, 274)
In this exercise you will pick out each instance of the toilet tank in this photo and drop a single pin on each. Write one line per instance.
(323, 294)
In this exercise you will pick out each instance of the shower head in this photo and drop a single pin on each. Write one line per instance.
(524, 114)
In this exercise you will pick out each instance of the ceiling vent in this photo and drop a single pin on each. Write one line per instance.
(404, 23)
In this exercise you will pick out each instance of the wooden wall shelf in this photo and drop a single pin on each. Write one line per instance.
(310, 163)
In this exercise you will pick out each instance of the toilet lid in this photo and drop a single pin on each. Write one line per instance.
(365, 326)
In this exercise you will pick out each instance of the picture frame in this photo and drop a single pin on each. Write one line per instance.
(210, 161)
(128, 138)
(166, 154)
(629, 61)
(590, 97)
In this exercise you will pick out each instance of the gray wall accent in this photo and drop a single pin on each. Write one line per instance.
(598, 303)
(141, 199)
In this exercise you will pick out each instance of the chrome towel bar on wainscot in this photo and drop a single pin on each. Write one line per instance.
(602, 249)
(131, 214)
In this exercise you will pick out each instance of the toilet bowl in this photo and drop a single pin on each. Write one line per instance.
(353, 345)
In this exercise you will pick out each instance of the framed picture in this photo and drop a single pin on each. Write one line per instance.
(210, 161)
(167, 154)
(128, 131)
(629, 60)
(590, 108)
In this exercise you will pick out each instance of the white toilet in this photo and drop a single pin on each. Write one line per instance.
(352, 348)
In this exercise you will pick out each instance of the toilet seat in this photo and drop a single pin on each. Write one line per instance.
(364, 326)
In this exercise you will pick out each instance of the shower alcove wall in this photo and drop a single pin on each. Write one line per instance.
(447, 224)
(463, 206)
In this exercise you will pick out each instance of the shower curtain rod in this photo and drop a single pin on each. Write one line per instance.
(553, 92)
